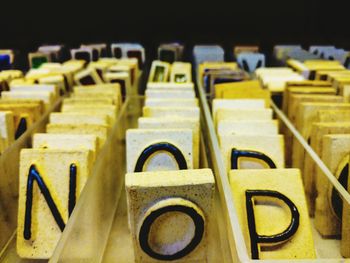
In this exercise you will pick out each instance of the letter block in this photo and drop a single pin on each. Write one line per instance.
(179, 123)
(236, 104)
(6, 129)
(252, 151)
(169, 214)
(100, 131)
(272, 213)
(243, 114)
(171, 102)
(153, 149)
(306, 116)
(329, 205)
(50, 183)
(316, 141)
(269, 127)
(168, 94)
(345, 235)
(182, 112)
(79, 118)
(66, 141)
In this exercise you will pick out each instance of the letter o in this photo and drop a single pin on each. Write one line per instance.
(169, 205)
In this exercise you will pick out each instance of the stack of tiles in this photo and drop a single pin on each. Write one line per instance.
(169, 105)
(246, 130)
(58, 74)
(53, 173)
(168, 209)
(253, 154)
(22, 105)
(322, 118)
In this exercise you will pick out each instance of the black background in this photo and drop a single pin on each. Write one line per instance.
(25, 25)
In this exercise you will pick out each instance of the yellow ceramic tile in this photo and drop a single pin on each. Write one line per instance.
(252, 151)
(243, 114)
(328, 212)
(111, 90)
(309, 83)
(167, 236)
(123, 78)
(30, 111)
(57, 80)
(181, 72)
(159, 150)
(98, 97)
(175, 112)
(261, 72)
(22, 81)
(305, 90)
(79, 118)
(100, 131)
(109, 110)
(11, 74)
(36, 87)
(293, 104)
(74, 65)
(168, 94)
(236, 104)
(266, 200)
(7, 129)
(333, 115)
(42, 215)
(66, 141)
(307, 115)
(318, 131)
(179, 123)
(248, 94)
(132, 64)
(226, 127)
(345, 241)
(277, 83)
(171, 102)
(241, 86)
(296, 99)
(170, 85)
(46, 96)
(159, 71)
(83, 101)
(344, 90)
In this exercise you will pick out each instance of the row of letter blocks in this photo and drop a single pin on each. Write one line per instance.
(269, 199)
(53, 173)
(321, 113)
(168, 209)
